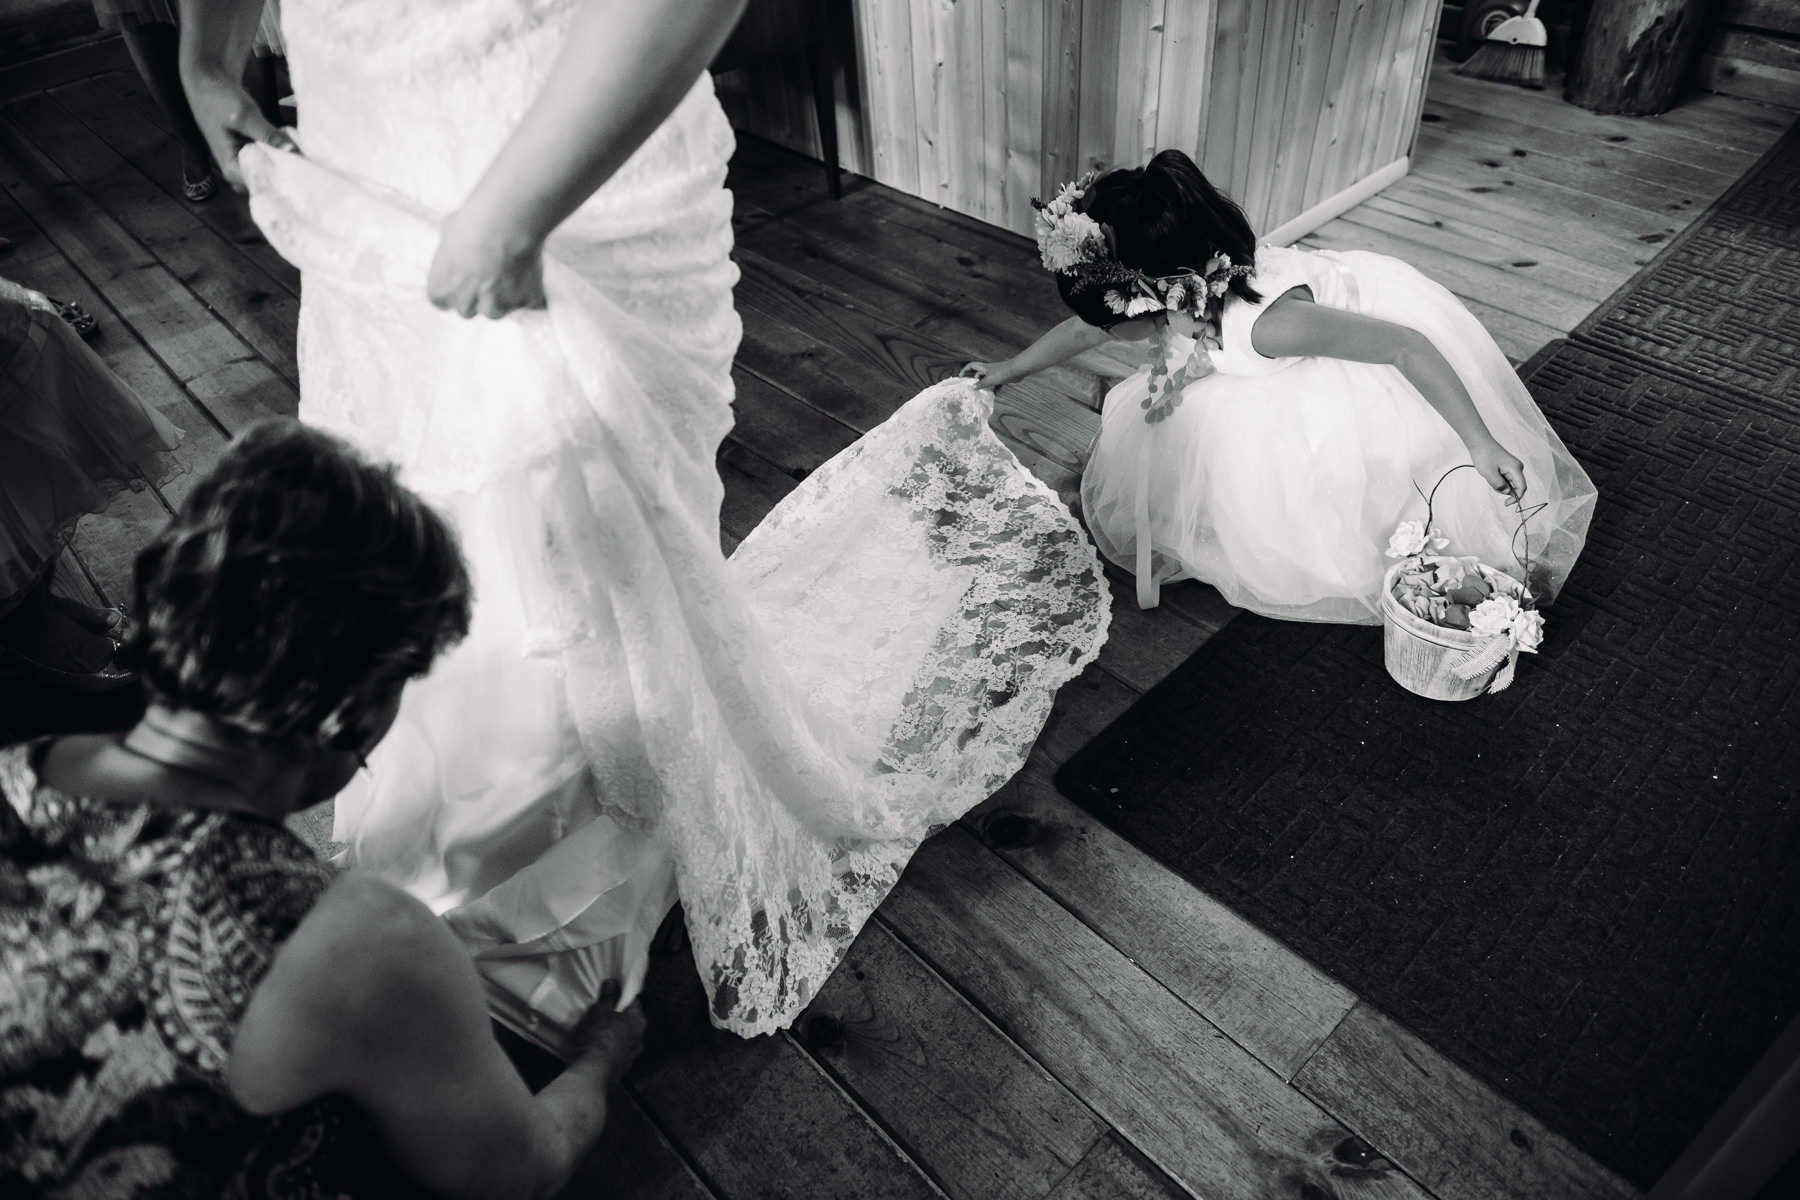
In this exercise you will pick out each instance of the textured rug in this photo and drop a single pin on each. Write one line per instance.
(1586, 888)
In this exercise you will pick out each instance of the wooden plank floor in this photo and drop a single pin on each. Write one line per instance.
(1039, 1010)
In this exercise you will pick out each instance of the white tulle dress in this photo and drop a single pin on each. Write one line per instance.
(1279, 481)
(633, 718)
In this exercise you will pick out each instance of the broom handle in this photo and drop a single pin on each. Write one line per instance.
(1531, 10)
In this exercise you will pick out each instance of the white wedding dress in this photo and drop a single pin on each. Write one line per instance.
(633, 717)
(1279, 481)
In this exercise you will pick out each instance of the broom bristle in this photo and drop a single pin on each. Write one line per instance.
(1506, 63)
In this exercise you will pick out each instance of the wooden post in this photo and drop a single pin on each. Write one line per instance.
(1637, 55)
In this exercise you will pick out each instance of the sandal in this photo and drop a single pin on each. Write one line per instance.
(199, 190)
(79, 319)
(15, 665)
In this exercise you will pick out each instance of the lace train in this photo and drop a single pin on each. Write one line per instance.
(777, 733)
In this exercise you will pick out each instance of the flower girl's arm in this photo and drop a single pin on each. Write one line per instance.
(1060, 344)
(1295, 327)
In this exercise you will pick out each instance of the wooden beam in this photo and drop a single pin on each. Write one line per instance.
(1291, 231)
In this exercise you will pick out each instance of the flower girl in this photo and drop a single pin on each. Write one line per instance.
(1295, 404)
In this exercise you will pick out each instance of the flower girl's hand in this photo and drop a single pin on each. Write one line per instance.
(991, 376)
(1503, 472)
(481, 269)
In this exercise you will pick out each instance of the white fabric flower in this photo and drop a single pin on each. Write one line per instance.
(1528, 630)
(1140, 305)
(1494, 616)
(1408, 539)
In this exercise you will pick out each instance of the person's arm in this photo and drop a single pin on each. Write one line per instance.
(373, 997)
(216, 38)
(1295, 327)
(625, 68)
(1061, 343)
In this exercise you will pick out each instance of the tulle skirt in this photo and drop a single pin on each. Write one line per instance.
(72, 436)
(1282, 490)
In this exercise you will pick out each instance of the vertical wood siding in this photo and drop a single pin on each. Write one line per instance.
(979, 105)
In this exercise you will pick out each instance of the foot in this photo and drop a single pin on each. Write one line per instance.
(38, 642)
(198, 186)
(79, 319)
(108, 621)
(45, 632)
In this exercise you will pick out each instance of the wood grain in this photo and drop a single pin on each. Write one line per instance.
(258, 306)
(1186, 78)
(1443, 1126)
(1202, 1108)
(886, 45)
(1262, 995)
(1626, 159)
(115, 106)
(1061, 106)
(633, 1159)
(757, 1117)
(1116, 1170)
(991, 1123)
(1483, 244)
(1499, 285)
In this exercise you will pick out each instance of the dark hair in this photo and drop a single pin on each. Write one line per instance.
(1165, 217)
(295, 589)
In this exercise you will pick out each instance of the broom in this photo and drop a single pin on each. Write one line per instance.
(1513, 52)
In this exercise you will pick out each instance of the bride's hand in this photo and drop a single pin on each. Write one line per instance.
(481, 268)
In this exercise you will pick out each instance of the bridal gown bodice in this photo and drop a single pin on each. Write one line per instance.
(415, 97)
(632, 714)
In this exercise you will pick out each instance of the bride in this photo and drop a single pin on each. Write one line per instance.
(633, 717)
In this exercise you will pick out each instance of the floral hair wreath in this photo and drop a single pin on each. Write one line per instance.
(1074, 245)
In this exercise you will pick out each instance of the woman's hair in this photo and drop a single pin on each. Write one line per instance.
(295, 590)
(1165, 218)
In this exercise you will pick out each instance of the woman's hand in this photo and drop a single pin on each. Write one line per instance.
(992, 376)
(610, 1036)
(229, 119)
(1503, 472)
(483, 267)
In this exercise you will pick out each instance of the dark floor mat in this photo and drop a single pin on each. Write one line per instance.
(1721, 304)
(1586, 888)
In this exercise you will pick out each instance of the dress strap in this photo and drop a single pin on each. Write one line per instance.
(1149, 592)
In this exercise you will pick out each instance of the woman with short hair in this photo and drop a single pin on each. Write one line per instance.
(192, 1002)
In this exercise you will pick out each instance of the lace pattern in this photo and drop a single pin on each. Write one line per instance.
(785, 728)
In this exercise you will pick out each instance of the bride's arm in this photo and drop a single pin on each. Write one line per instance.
(626, 66)
(216, 36)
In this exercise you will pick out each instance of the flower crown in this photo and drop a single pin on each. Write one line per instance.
(1073, 244)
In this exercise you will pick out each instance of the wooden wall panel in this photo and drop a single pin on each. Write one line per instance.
(979, 105)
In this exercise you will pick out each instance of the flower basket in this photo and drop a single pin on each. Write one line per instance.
(1440, 663)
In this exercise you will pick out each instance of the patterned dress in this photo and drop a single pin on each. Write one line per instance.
(131, 940)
